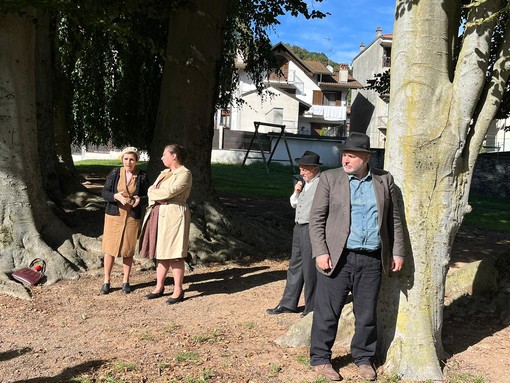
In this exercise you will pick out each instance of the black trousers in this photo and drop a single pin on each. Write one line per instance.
(360, 274)
(301, 271)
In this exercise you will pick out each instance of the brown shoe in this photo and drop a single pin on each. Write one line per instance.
(367, 371)
(327, 371)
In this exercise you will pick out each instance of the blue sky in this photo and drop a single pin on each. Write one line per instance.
(340, 34)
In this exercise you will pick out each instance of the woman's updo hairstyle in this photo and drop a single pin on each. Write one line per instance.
(179, 151)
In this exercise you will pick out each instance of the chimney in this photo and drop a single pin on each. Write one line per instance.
(378, 32)
(343, 73)
(362, 47)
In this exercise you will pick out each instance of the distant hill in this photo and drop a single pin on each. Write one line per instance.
(303, 54)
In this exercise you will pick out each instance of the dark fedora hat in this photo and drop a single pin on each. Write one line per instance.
(357, 142)
(309, 158)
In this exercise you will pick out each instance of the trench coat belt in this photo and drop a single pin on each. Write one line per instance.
(172, 202)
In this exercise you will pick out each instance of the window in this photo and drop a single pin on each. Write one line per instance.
(329, 99)
(278, 116)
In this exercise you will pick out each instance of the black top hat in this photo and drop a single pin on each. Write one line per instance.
(309, 158)
(357, 142)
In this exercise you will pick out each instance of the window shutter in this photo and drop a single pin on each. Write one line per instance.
(317, 97)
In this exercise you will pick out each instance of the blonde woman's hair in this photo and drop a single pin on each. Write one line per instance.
(130, 149)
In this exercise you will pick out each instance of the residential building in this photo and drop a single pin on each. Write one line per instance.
(369, 109)
(307, 97)
(498, 136)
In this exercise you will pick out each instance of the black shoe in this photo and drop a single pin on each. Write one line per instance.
(155, 295)
(279, 310)
(303, 314)
(105, 289)
(126, 288)
(172, 301)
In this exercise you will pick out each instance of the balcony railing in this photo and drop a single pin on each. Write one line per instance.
(289, 78)
(328, 113)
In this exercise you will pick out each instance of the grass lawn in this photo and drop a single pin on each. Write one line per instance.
(252, 180)
(488, 213)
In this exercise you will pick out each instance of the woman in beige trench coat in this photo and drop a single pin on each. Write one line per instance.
(165, 233)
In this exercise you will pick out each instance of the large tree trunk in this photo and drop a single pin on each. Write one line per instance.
(28, 229)
(44, 108)
(432, 148)
(62, 96)
(186, 111)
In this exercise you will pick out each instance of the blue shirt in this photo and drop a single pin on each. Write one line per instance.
(364, 230)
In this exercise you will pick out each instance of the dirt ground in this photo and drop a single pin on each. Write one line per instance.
(220, 333)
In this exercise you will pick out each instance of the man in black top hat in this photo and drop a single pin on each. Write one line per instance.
(301, 269)
(356, 235)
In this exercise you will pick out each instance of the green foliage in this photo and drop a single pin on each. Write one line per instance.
(210, 337)
(148, 336)
(498, 39)
(112, 56)
(124, 366)
(81, 379)
(463, 377)
(249, 325)
(171, 327)
(110, 379)
(246, 34)
(393, 378)
(204, 377)
(304, 360)
(274, 369)
(320, 379)
(304, 54)
(380, 83)
(102, 167)
(109, 56)
(184, 356)
(163, 365)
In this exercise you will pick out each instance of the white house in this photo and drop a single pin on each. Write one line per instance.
(498, 136)
(369, 110)
(308, 98)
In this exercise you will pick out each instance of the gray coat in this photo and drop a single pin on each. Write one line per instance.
(330, 217)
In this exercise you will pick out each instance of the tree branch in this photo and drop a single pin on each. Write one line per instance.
(492, 97)
(472, 66)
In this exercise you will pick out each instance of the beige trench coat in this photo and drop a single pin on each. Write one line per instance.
(174, 216)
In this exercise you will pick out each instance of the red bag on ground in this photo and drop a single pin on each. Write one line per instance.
(31, 275)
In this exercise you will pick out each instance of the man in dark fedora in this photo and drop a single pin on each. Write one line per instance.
(301, 269)
(356, 235)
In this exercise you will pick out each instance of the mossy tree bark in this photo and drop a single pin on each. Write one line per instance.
(28, 228)
(440, 110)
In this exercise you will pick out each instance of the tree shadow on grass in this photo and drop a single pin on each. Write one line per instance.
(68, 374)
